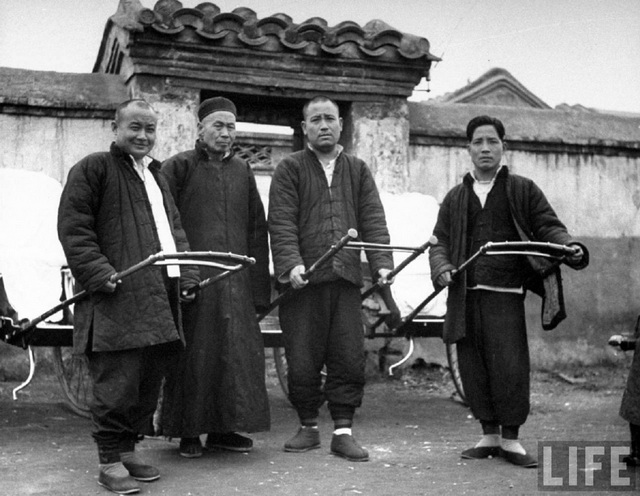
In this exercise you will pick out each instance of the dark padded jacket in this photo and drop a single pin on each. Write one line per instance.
(306, 217)
(535, 220)
(105, 225)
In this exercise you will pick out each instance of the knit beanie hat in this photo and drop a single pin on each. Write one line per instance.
(218, 103)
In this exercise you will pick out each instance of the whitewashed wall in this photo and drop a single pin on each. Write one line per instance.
(594, 195)
(50, 144)
(598, 198)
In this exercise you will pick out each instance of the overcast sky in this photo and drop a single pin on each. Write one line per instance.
(565, 51)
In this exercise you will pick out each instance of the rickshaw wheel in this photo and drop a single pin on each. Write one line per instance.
(452, 358)
(73, 375)
(281, 369)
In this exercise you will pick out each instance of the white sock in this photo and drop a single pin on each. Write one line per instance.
(131, 457)
(114, 469)
(512, 445)
(310, 427)
(342, 430)
(489, 441)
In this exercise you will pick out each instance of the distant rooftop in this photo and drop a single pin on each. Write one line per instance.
(60, 90)
(549, 126)
(495, 85)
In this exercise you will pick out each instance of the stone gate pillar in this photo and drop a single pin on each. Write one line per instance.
(380, 136)
(177, 114)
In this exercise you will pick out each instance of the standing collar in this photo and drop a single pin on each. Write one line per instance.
(202, 148)
(501, 173)
(148, 161)
(339, 147)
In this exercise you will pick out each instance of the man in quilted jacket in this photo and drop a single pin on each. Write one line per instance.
(485, 305)
(316, 196)
(115, 211)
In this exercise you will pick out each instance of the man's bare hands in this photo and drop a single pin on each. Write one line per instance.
(384, 273)
(445, 279)
(295, 277)
(108, 287)
(186, 296)
(577, 256)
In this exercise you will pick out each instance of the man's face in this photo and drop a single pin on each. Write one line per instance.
(486, 149)
(218, 131)
(135, 130)
(322, 126)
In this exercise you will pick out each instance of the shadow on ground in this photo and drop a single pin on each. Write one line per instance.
(412, 426)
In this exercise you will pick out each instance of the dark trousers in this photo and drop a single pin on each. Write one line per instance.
(322, 325)
(126, 385)
(494, 358)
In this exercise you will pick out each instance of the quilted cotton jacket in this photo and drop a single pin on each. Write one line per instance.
(306, 216)
(535, 220)
(105, 225)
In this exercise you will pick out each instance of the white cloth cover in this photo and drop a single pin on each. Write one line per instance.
(30, 254)
(411, 218)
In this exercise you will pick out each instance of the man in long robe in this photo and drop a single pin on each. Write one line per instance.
(219, 388)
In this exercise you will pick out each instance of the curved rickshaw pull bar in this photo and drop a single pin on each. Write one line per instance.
(21, 335)
(523, 248)
(351, 234)
(383, 289)
(416, 252)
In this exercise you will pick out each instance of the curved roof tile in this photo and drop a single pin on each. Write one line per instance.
(347, 39)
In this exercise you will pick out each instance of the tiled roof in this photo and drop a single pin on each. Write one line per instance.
(549, 126)
(277, 32)
(60, 90)
(492, 86)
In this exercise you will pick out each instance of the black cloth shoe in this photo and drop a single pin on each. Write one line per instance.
(137, 468)
(116, 478)
(304, 440)
(481, 452)
(142, 471)
(190, 447)
(229, 441)
(526, 460)
(346, 446)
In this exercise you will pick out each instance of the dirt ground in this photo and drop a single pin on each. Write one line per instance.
(413, 427)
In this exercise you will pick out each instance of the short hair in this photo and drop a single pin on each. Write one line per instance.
(316, 99)
(485, 120)
(137, 102)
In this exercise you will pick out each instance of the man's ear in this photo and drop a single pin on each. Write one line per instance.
(504, 145)
(114, 126)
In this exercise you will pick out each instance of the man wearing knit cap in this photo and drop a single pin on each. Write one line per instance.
(218, 388)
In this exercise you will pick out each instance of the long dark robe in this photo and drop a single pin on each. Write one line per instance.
(630, 407)
(219, 384)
